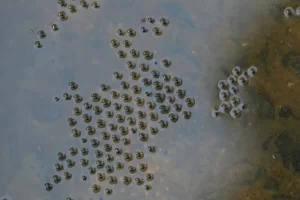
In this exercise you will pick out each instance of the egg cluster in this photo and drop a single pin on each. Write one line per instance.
(110, 121)
(289, 12)
(230, 101)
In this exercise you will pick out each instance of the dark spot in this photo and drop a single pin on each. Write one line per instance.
(260, 173)
(266, 143)
(56, 98)
(289, 151)
(285, 112)
(155, 63)
(165, 153)
(291, 59)
(271, 184)
(264, 106)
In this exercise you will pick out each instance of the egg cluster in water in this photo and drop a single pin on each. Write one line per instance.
(147, 100)
(228, 92)
(289, 12)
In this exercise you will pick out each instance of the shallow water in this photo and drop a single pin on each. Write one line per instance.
(254, 157)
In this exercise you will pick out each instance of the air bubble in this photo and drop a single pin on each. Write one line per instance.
(151, 105)
(149, 177)
(97, 110)
(84, 4)
(87, 106)
(101, 177)
(130, 65)
(153, 116)
(166, 62)
(120, 32)
(62, 3)
(73, 151)
(112, 127)
(121, 54)
(222, 84)
(115, 138)
(126, 180)
(151, 20)
(67, 96)
(62, 16)
(187, 114)
(95, 143)
(38, 44)
(78, 98)
(54, 27)
(118, 75)
(67, 175)
(148, 187)
(151, 149)
(56, 179)
(289, 12)
(109, 114)
(252, 71)
(139, 181)
(117, 106)
(77, 111)
(153, 130)
(86, 118)
(48, 186)
(139, 101)
(95, 5)
(298, 11)
(136, 89)
(92, 170)
(109, 158)
(123, 130)
(169, 89)
(127, 157)
(177, 81)
(235, 113)
(156, 31)
(104, 87)
(100, 164)
(131, 32)
(134, 53)
(125, 85)
(128, 109)
(108, 191)
(90, 130)
(143, 167)
(147, 55)
(118, 151)
(215, 113)
(224, 107)
(242, 80)
(70, 163)
(105, 102)
(144, 67)
(173, 117)
(163, 124)
(171, 99)
(233, 89)
(143, 29)
(98, 153)
(59, 167)
(131, 169)
(42, 34)
(143, 137)
(236, 71)
(109, 169)
(164, 109)
(95, 97)
(84, 162)
(142, 125)
(115, 43)
(96, 188)
(231, 80)
(134, 75)
(166, 77)
(84, 151)
(164, 21)
(127, 43)
(223, 95)
(157, 85)
(107, 147)
(155, 73)
(234, 101)
(71, 121)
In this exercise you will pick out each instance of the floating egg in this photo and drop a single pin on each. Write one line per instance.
(252, 71)
(289, 12)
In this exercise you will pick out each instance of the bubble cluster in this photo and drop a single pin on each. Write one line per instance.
(290, 12)
(231, 103)
(108, 122)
